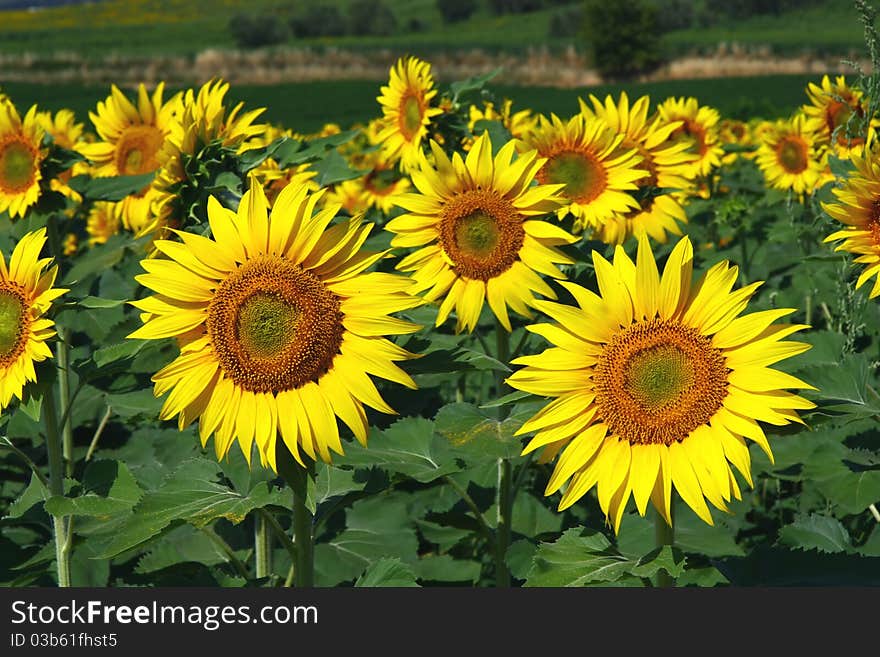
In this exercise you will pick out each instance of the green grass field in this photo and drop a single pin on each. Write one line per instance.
(307, 106)
(143, 27)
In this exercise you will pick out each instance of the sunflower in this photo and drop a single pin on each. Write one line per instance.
(204, 119)
(699, 128)
(518, 124)
(279, 326)
(859, 209)
(67, 133)
(104, 220)
(21, 154)
(834, 112)
(407, 111)
(656, 383)
(26, 293)
(476, 241)
(670, 167)
(131, 140)
(790, 159)
(735, 133)
(585, 155)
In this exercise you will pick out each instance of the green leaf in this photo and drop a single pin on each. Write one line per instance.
(110, 189)
(334, 168)
(128, 349)
(34, 494)
(376, 528)
(667, 558)
(293, 152)
(409, 447)
(848, 478)
(578, 558)
(387, 572)
(190, 494)
(182, 544)
(816, 532)
(765, 566)
(98, 259)
(108, 488)
(444, 568)
(135, 403)
(332, 481)
(475, 435)
(463, 88)
(98, 302)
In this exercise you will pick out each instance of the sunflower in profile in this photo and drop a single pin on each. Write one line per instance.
(131, 137)
(859, 209)
(836, 114)
(699, 127)
(586, 156)
(406, 111)
(279, 326)
(21, 154)
(657, 383)
(476, 241)
(790, 158)
(669, 165)
(26, 294)
(204, 119)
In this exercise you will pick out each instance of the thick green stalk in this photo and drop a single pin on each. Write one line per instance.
(262, 547)
(63, 355)
(505, 478)
(303, 533)
(56, 486)
(664, 534)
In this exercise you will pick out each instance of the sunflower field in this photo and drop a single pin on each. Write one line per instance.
(459, 343)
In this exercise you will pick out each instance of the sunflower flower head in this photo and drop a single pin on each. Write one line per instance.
(790, 158)
(585, 155)
(657, 382)
(669, 163)
(836, 114)
(21, 154)
(26, 294)
(699, 127)
(279, 325)
(475, 223)
(407, 110)
(858, 208)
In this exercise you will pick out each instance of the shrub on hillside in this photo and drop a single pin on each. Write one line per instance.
(319, 21)
(567, 23)
(623, 37)
(454, 11)
(371, 17)
(256, 31)
(514, 6)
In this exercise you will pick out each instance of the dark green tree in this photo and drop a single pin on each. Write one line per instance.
(623, 37)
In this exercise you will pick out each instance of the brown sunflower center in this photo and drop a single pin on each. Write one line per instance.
(482, 234)
(14, 322)
(274, 326)
(410, 116)
(659, 380)
(18, 165)
(691, 131)
(584, 177)
(792, 154)
(137, 150)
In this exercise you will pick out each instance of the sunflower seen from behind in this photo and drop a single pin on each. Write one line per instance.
(280, 326)
(586, 156)
(657, 383)
(21, 154)
(477, 233)
(406, 111)
(26, 295)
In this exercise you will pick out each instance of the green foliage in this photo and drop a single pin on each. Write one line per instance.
(371, 17)
(255, 31)
(454, 11)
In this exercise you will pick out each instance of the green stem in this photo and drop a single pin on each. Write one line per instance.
(56, 486)
(481, 520)
(303, 532)
(505, 470)
(230, 554)
(63, 355)
(664, 534)
(262, 547)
